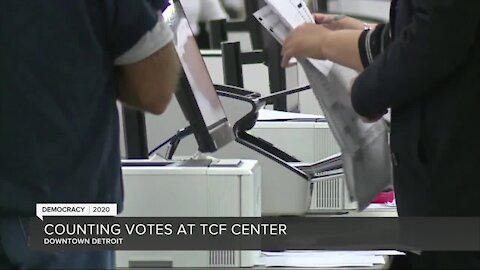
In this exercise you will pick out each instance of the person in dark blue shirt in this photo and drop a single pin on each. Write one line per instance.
(63, 67)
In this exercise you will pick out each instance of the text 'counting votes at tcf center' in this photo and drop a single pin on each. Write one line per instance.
(163, 229)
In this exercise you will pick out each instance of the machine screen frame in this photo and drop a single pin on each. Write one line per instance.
(210, 135)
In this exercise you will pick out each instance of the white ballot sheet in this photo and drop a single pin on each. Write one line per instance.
(271, 115)
(331, 259)
(292, 12)
(365, 149)
(279, 17)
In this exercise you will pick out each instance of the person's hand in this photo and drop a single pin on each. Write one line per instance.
(364, 119)
(305, 41)
(338, 22)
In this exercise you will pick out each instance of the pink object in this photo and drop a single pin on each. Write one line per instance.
(385, 197)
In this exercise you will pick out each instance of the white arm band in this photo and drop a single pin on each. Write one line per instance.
(151, 42)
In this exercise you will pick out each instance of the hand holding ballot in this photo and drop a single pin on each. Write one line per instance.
(338, 22)
(313, 36)
(307, 41)
(365, 151)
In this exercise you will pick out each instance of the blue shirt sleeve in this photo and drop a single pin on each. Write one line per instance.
(159, 4)
(129, 21)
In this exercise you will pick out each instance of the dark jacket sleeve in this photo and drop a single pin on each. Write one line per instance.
(427, 51)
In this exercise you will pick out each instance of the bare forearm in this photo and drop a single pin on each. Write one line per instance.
(341, 47)
(150, 84)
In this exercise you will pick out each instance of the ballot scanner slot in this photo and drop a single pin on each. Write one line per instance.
(331, 166)
(331, 163)
(224, 163)
(234, 163)
(146, 163)
(270, 151)
(301, 120)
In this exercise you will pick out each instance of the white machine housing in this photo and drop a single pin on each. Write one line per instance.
(173, 191)
(331, 195)
(309, 141)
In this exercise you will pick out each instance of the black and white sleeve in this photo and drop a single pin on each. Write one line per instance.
(372, 42)
(136, 29)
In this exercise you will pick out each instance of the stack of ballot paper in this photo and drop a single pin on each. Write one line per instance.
(325, 259)
(366, 157)
(265, 115)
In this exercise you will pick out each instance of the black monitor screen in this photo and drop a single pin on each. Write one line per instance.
(197, 96)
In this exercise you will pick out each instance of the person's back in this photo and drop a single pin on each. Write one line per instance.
(61, 65)
(58, 111)
(433, 143)
(424, 66)
(431, 77)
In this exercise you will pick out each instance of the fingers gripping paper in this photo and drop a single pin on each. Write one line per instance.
(365, 148)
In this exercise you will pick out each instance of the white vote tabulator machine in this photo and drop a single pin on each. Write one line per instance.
(171, 190)
(199, 186)
(309, 139)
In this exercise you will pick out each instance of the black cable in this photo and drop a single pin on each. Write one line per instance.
(160, 146)
(169, 140)
(175, 142)
(173, 148)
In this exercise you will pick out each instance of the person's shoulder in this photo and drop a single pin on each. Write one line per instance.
(159, 4)
(130, 20)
